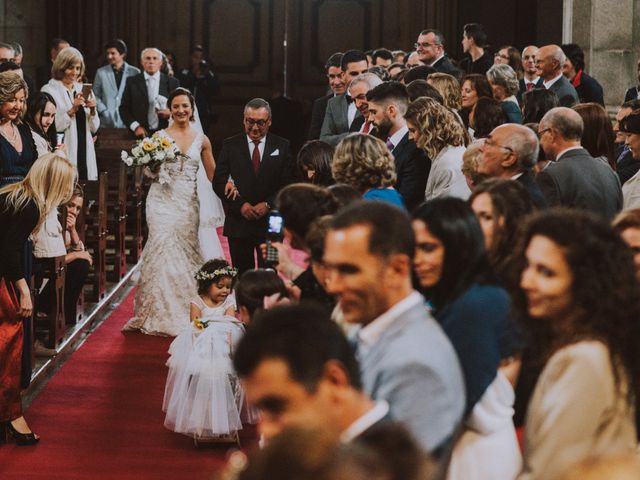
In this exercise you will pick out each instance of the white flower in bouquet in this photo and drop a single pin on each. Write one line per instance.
(124, 155)
(136, 151)
(128, 161)
(146, 159)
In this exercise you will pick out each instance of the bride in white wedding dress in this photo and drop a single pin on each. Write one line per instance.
(173, 252)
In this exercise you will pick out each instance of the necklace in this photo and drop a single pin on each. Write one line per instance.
(13, 140)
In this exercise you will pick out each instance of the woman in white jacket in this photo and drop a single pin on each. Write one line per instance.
(76, 116)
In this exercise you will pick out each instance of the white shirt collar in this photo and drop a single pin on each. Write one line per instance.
(373, 416)
(577, 147)
(155, 75)
(517, 176)
(547, 84)
(262, 140)
(513, 99)
(534, 81)
(399, 135)
(369, 334)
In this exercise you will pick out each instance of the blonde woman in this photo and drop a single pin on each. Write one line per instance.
(365, 163)
(76, 115)
(448, 87)
(23, 208)
(442, 136)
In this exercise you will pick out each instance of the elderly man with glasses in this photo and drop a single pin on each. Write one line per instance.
(510, 152)
(260, 164)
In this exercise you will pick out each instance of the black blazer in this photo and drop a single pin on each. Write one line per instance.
(317, 116)
(445, 65)
(534, 190)
(412, 169)
(134, 106)
(631, 94)
(627, 166)
(523, 88)
(589, 90)
(577, 180)
(276, 171)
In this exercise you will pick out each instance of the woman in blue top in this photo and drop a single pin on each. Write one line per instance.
(453, 270)
(365, 163)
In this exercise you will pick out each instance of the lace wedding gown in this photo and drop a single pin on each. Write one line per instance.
(173, 252)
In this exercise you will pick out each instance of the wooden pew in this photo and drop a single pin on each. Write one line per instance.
(54, 323)
(121, 188)
(94, 224)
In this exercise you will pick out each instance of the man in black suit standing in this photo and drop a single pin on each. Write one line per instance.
(575, 179)
(260, 164)
(388, 103)
(531, 78)
(549, 63)
(144, 108)
(633, 93)
(337, 84)
(430, 50)
(510, 152)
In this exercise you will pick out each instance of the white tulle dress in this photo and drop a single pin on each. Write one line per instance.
(203, 397)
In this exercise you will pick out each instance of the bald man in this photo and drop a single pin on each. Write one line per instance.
(575, 179)
(549, 62)
(510, 152)
(531, 78)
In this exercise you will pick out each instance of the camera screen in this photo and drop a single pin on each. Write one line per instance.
(275, 224)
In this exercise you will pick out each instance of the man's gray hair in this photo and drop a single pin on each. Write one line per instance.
(370, 79)
(505, 76)
(258, 103)
(8, 46)
(524, 143)
(567, 122)
(157, 50)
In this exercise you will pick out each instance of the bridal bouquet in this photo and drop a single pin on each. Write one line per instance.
(151, 151)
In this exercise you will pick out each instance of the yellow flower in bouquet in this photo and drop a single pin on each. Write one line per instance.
(148, 145)
(165, 143)
(198, 324)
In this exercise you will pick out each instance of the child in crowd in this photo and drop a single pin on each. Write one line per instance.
(203, 397)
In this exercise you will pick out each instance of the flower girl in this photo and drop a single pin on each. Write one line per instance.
(203, 397)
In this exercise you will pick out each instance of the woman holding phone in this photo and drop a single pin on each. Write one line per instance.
(76, 115)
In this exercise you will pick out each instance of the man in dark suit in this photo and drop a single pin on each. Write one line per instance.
(43, 72)
(549, 63)
(430, 50)
(321, 387)
(510, 152)
(341, 110)
(626, 165)
(633, 93)
(337, 84)
(259, 163)
(388, 103)
(143, 108)
(587, 87)
(575, 179)
(531, 78)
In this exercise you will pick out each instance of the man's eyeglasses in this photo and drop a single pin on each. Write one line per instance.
(425, 45)
(490, 143)
(252, 122)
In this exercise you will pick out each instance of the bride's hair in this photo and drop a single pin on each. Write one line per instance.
(212, 271)
(179, 92)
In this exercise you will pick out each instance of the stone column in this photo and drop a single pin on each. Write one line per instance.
(608, 31)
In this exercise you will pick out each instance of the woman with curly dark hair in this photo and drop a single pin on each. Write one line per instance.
(474, 86)
(500, 206)
(581, 302)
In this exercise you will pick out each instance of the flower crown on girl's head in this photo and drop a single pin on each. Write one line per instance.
(227, 271)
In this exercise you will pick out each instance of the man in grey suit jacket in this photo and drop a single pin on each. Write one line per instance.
(108, 85)
(406, 359)
(549, 63)
(575, 179)
(341, 110)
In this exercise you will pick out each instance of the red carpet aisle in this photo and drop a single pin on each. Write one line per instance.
(100, 416)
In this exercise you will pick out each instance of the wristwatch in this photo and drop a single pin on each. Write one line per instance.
(267, 204)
